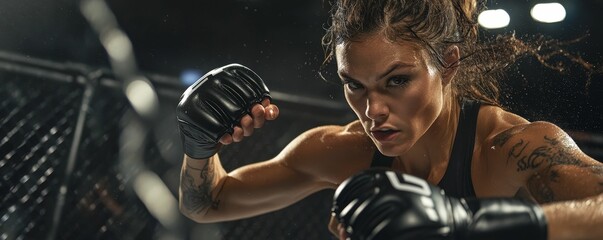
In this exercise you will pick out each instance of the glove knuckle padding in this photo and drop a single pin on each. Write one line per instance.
(353, 189)
(380, 204)
(213, 105)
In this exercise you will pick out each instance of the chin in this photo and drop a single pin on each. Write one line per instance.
(390, 149)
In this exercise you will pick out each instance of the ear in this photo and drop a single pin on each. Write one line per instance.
(451, 60)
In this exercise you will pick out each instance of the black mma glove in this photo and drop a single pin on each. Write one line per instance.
(381, 204)
(214, 104)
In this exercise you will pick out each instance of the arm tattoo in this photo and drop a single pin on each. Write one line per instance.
(198, 197)
(542, 192)
(545, 158)
(554, 176)
(517, 150)
(533, 161)
(551, 154)
(504, 136)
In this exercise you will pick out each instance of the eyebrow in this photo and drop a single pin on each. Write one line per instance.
(389, 70)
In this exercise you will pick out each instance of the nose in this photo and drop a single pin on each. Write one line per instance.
(376, 108)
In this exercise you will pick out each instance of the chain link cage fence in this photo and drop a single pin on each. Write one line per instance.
(41, 104)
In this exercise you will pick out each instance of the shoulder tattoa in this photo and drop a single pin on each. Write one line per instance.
(502, 138)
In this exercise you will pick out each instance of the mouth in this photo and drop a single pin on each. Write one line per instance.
(384, 135)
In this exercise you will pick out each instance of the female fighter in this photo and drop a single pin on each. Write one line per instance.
(424, 91)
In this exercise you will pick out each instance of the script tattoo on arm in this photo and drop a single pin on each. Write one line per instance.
(197, 198)
(552, 154)
(502, 138)
(546, 158)
(517, 150)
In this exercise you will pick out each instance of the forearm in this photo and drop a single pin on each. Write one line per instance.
(209, 194)
(577, 219)
(200, 181)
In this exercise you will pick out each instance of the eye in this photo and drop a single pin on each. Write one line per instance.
(398, 81)
(352, 85)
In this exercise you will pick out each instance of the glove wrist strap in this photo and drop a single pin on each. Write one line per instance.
(506, 218)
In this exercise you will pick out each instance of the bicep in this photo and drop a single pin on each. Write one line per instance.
(277, 183)
(566, 174)
(553, 166)
(269, 185)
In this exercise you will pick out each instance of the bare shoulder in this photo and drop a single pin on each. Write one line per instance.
(543, 158)
(505, 129)
(531, 146)
(504, 132)
(330, 153)
(494, 120)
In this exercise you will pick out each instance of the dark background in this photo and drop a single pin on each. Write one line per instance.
(281, 41)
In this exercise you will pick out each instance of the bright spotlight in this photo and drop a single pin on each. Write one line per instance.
(496, 18)
(548, 12)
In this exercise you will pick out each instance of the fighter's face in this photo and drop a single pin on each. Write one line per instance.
(393, 88)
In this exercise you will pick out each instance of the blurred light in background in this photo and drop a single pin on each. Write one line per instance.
(190, 76)
(160, 202)
(548, 12)
(118, 45)
(496, 18)
(142, 96)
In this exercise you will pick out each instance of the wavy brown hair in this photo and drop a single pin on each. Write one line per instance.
(435, 25)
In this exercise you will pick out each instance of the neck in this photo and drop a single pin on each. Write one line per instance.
(432, 151)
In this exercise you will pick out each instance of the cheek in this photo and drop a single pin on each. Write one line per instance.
(414, 98)
(421, 100)
(410, 106)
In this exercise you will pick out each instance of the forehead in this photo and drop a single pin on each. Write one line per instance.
(375, 52)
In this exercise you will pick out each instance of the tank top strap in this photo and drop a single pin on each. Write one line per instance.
(457, 180)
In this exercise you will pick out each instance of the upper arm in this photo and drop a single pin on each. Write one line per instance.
(302, 168)
(549, 163)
